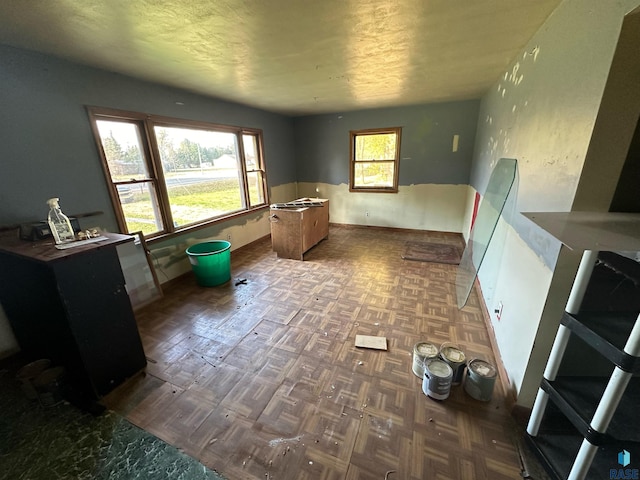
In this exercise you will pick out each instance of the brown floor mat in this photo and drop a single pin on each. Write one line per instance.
(432, 252)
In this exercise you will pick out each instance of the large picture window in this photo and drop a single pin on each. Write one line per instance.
(168, 175)
(375, 156)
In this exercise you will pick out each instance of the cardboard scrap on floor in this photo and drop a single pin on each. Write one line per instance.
(368, 341)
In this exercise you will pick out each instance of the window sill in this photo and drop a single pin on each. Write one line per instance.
(374, 190)
(200, 226)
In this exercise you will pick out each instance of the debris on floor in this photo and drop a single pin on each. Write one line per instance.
(369, 341)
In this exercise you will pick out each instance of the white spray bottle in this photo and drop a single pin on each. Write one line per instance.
(59, 223)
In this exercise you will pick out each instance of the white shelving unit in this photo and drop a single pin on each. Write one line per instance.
(589, 408)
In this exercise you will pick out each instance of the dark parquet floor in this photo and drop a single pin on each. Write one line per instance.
(261, 380)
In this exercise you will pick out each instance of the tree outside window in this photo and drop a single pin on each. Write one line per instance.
(168, 175)
(375, 155)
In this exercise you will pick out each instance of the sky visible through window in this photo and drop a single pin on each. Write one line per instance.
(127, 136)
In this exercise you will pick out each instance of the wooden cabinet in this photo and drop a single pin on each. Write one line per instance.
(296, 230)
(71, 307)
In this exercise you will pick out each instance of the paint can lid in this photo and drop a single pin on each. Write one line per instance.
(453, 354)
(425, 349)
(438, 368)
(482, 368)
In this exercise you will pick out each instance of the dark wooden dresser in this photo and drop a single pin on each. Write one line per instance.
(71, 307)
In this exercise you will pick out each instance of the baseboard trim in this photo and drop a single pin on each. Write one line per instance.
(510, 391)
(395, 229)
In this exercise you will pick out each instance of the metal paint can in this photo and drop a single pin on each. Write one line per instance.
(422, 351)
(480, 380)
(436, 382)
(456, 360)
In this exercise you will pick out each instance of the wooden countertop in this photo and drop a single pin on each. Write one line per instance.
(45, 250)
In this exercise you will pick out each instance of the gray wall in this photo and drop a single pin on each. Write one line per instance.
(543, 112)
(322, 142)
(46, 142)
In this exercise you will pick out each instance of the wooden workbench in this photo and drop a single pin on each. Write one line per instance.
(295, 230)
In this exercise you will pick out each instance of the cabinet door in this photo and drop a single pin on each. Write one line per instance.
(100, 317)
(315, 226)
(286, 233)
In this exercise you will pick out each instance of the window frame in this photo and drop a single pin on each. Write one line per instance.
(152, 159)
(353, 134)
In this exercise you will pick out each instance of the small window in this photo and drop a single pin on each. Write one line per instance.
(169, 175)
(375, 157)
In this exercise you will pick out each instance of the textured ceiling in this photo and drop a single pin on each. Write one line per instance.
(291, 56)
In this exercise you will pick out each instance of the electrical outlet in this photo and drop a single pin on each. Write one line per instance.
(366, 214)
(498, 310)
(228, 237)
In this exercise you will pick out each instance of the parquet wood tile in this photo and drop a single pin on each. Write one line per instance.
(355, 294)
(281, 311)
(249, 396)
(245, 357)
(275, 365)
(375, 315)
(294, 340)
(330, 290)
(346, 310)
(204, 346)
(212, 386)
(307, 379)
(321, 346)
(285, 414)
(143, 410)
(244, 320)
(208, 324)
(332, 430)
(312, 318)
(262, 380)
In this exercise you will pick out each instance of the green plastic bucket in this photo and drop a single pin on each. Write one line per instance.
(211, 262)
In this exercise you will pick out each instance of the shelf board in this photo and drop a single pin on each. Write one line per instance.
(602, 231)
(582, 395)
(607, 333)
(558, 442)
(557, 453)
